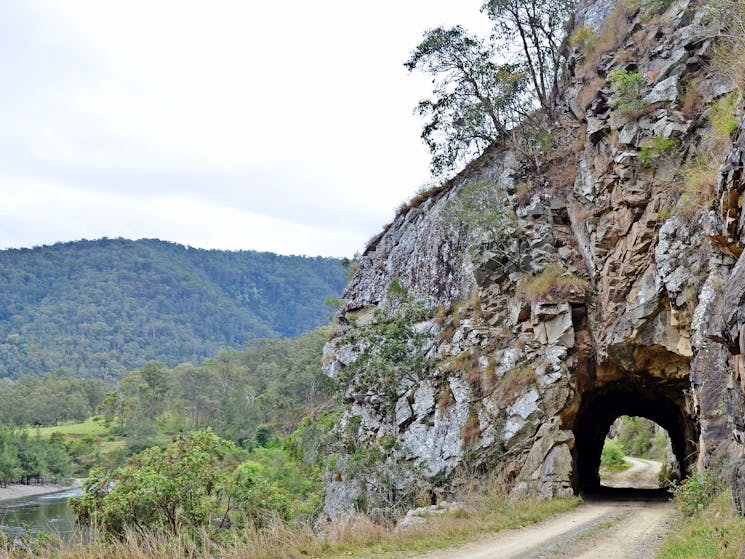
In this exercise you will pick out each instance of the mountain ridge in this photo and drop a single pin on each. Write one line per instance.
(102, 307)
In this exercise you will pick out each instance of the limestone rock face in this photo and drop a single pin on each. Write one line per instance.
(592, 284)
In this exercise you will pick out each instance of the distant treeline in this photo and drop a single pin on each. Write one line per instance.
(49, 399)
(254, 394)
(102, 308)
(264, 390)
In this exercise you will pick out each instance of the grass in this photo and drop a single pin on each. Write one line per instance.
(488, 510)
(89, 443)
(90, 427)
(552, 283)
(715, 533)
(722, 116)
(516, 382)
(611, 36)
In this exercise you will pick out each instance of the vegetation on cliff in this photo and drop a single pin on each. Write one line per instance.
(477, 100)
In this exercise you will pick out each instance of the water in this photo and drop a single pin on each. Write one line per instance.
(48, 513)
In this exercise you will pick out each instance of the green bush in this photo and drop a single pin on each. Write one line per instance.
(637, 437)
(695, 493)
(629, 88)
(654, 148)
(612, 457)
(173, 490)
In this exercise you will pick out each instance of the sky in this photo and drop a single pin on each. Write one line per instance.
(280, 126)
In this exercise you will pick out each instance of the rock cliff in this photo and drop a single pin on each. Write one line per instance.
(507, 318)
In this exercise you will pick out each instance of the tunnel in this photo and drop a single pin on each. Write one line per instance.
(662, 402)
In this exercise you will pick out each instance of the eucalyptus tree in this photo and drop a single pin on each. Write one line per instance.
(475, 100)
(539, 28)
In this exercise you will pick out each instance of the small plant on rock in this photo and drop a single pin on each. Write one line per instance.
(554, 282)
(722, 116)
(652, 8)
(629, 89)
(655, 148)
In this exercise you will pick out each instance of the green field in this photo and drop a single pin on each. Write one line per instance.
(90, 427)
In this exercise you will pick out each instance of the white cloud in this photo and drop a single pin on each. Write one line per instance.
(293, 117)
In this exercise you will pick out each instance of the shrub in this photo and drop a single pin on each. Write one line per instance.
(654, 148)
(695, 493)
(612, 457)
(636, 435)
(583, 38)
(164, 490)
(629, 88)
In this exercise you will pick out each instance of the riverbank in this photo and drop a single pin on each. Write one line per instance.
(19, 490)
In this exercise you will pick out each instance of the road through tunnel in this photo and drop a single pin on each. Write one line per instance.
(662, 402)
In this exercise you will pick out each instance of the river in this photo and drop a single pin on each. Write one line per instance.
(48, 513)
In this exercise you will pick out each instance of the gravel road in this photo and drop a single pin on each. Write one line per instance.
(619, 524)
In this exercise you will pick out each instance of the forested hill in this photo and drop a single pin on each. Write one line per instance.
(101, 308)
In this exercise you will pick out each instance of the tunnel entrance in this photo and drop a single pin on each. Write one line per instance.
(664, 403)
(637, 454)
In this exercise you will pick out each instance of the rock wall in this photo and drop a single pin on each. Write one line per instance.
(511, 332)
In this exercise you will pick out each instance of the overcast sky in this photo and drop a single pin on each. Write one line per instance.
(282, 126)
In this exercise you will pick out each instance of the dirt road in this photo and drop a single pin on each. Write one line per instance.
(643, 474)
(607, 528)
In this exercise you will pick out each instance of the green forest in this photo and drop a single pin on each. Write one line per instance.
(241, 439)
(102, 308)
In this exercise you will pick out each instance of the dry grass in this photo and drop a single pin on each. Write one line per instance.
(697, 191)
(445, 398)
(420, 197)
(516, 382)
(611, 37)
(471, 430)
(728, 22)
(553, 283)
(487, 509)
(441, 316)
(523, 193)
(722, 116)
(692, 104)
(589, 92)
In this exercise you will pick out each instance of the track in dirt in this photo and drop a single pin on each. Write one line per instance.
(598, 529)
(622, 522)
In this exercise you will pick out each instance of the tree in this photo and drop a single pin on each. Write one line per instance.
(157, 383)
(475, 100)
(198, 389)
(538, 25)
(175, 489)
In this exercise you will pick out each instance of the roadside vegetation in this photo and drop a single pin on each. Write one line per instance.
(709, 527)
(487, 509)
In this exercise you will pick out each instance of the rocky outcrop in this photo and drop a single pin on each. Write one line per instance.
(722, 367)
(506, 320)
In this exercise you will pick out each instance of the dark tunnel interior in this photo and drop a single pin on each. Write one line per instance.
(662, 403)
